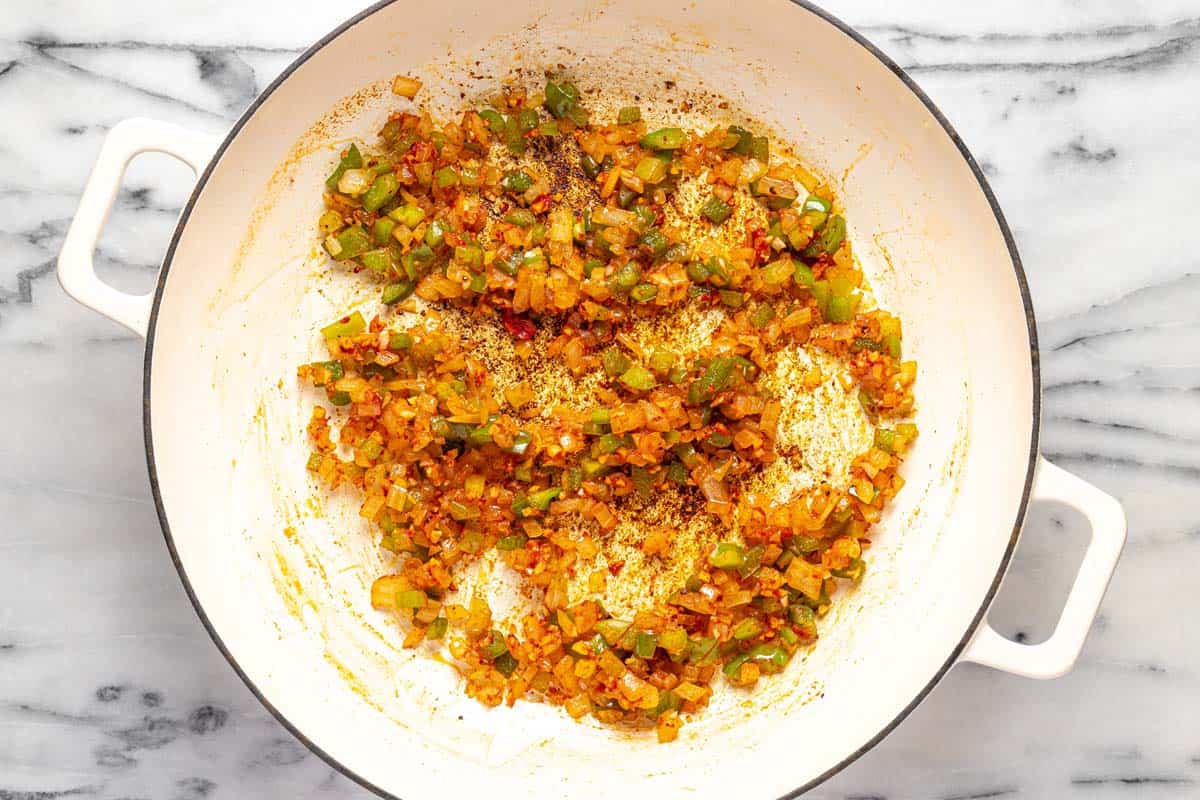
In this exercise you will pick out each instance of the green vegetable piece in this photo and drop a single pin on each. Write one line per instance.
(841, 308)
(379, 261)
(762, 316)
(350, 325)
(505, 664)
(482, 434)
(561, 99)
(732, 299)
(462, 511)
(664, 139)
(698, 272)
(744, 139)
(645, 644)
(590, 166)
(541, 500)
(437, 628)
(727, 555)
(643, 292)
(771, 658)
(625, 278)
(413, 598)
(646, 217)
(820, 291)
(469, 255)
(548, 128)
(817, 204)
(661, 360)
(520, 443)
(753, 561)
(615, 363)
(520, 216)
(718, 268)
(674, 641)
(732, 666)
(760, 149)
(854, 571)
(381, 192)
(495, 647)
(638, 379)
(446, 177)
(716, 210)
(381, 231)
(494, 119)
(777, 193)
(400, 340)
(655, 241)
(339, 398)
(803, 618)
(517, 181)
(716, 378)
(395, 292)
(407, 214)
(804, 544)
(608, 443)
(512, 136)
(333, 371)
(348, 243)
(517, 541)
(330, 222)
(747, 629)
(643, 481)
(592, 468)
(435, 234)
(702, 650)
(629, 115)
(651, 169)
(351, 160)
(830, 239)
(718, 440)
(803, 274)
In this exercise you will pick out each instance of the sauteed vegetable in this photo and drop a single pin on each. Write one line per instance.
(561, 232)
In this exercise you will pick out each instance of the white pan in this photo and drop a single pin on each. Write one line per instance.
(281, 581)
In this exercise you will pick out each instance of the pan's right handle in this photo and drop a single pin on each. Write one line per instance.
(76, 271)
(1056, 655)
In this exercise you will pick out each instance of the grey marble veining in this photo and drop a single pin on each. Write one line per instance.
(1086, 119)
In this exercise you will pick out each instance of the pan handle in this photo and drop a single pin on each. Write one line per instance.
(1055, 656)
(76, 271)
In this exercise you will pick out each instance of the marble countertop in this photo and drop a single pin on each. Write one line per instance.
(1084, 115)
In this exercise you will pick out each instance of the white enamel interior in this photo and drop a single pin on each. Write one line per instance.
(245, 297)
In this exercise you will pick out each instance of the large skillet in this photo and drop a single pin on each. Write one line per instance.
(281, 584)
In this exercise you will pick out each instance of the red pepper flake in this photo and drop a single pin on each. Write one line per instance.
(615, 568)
(420, 151)
(761, 244)
(541, 205)
(520, 328)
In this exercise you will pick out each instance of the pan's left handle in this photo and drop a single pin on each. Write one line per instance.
(76, 271)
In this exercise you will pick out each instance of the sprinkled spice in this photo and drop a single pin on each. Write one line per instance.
(613, 354)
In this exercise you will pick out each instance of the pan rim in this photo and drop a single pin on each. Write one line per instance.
(1035, 375)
